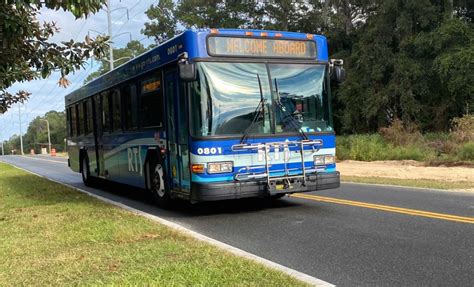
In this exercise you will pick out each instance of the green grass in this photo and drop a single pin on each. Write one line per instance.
(433, 149)
(425, 183)
(53, 235)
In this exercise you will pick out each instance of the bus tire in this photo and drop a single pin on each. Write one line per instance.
(86, 172)
(157, 185)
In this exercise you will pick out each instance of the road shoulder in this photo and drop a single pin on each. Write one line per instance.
(408, 173)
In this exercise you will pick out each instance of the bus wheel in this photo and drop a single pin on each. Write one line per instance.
(86, 174)
(157, 186)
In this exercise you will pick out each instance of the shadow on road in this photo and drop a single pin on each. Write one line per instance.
(182, 208)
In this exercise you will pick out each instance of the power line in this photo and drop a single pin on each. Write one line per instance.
(41, 101)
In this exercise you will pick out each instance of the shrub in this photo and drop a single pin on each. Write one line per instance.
(409, 153)
(400, 134)
(374, 147)
(361, 147)
(463, 128)
(440, 143)
(466, 152)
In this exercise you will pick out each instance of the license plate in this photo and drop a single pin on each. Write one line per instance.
(280, 186)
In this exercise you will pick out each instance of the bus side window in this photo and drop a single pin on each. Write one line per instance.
(73, 121)
(129, 106)
(69, 123)
(85, 117)
(106, 111)
(89, 123)
(80, 118)
(151, 101)
(134, 105)
(116, 113)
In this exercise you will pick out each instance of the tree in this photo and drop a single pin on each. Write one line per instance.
(163, 24)
(168, 19)
(285, 15)
(26, 52)
(37, 135)
(407, 60)
(404, 65)
(133, 49)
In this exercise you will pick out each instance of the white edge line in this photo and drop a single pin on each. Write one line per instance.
(43, 159)
(313, 281)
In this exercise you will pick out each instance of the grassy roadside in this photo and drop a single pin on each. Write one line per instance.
(424, 183)
(53, 235)
(406, 142)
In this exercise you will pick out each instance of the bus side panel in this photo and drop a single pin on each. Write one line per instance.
(73, 153)
(89, 147)
(125, 156)
(111, 162)
(132, 156)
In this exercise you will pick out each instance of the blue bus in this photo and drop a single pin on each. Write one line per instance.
(211, 114)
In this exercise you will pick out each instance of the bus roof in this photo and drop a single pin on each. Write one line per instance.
(191, 41)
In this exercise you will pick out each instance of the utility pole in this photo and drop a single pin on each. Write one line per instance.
(21, 135)
(109, 32)
(49, 135)
(109, 28)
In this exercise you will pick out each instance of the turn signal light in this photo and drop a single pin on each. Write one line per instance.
(324, 159)
(220, 167)
(197, 168)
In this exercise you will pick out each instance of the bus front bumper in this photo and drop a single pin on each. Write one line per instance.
(243, 189)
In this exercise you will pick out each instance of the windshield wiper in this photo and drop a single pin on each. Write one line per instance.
(292, 121)
(260, 110)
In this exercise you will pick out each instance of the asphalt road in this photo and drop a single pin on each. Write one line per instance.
(350, 236)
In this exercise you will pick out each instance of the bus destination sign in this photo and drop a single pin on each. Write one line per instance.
(258, 47)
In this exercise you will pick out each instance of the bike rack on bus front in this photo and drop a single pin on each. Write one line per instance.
(263, 171)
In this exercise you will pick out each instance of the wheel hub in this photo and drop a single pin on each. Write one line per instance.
(157, 182)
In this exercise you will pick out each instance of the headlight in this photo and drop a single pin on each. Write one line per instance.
(324, 159)
(329, 159)
(318, 159)
(220, 167)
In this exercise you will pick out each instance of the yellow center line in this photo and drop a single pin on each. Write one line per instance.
(43, 159)
(387, 208)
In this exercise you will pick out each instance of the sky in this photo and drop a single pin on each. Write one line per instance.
(46, 95)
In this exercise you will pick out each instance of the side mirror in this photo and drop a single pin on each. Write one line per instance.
(187, 70)
(337, 70)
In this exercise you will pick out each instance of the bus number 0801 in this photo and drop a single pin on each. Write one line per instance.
(207, 150)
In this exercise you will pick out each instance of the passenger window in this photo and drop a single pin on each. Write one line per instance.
(134, 103)
(130, 106)
(85, 117)
(69, 122)
(151, 102)
(89, 116)
(117, 115)
(80, 119)
(73, 121)
(106, 116)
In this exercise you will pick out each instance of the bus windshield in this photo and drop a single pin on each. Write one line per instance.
(228, 98)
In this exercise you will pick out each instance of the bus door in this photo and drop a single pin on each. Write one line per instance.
(98, 133)
(177, 132)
